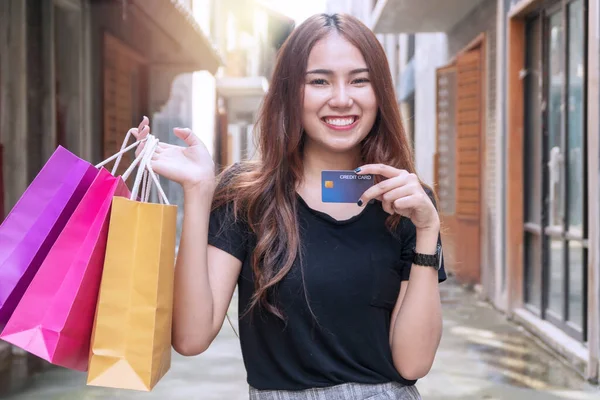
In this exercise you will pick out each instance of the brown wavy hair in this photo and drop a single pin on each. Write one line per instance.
(263, 192)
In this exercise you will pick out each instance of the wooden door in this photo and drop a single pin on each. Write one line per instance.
(458, 162)
(469, 136)
(125, 103)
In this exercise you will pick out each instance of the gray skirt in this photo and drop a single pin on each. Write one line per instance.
(346, 391)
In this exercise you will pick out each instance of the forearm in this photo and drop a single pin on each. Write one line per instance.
(193, 301)
(418, 327)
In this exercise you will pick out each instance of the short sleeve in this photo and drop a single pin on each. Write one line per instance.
(226, 233)
(408, 232)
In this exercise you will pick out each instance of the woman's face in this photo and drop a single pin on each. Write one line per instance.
(339, 102)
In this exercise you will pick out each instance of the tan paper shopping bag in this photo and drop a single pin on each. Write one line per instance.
(131, 342)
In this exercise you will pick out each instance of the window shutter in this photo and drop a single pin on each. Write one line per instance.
(468, 131)
(445, 160)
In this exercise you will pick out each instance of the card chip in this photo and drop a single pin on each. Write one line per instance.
(329, 184)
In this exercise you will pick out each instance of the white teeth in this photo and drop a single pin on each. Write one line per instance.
(340, 121)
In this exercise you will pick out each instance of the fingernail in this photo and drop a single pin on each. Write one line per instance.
(359, 202)
(357, 170)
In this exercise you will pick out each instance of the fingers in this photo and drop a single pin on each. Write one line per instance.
(405, 205)
(140, 133)
(383, 187)
(187, 136)
(387, 207)
(395, 194)
(379, 169)
(145, 122)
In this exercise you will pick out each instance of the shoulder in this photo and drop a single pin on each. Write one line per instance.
(227, 176)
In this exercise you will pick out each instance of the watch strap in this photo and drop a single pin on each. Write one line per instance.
(428, 260)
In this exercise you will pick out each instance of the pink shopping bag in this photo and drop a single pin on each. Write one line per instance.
(31, 228)
(55, 316)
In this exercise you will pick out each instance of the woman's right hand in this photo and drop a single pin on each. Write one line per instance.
(190, 166)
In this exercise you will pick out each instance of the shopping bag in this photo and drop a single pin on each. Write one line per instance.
(34, 223)
(54, 318)
(131, 339)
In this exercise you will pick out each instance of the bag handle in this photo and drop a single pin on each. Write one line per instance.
(119, 155)
(146, 156)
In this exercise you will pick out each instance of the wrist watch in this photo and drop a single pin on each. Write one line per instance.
(429, 260)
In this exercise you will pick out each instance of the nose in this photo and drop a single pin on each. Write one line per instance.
(340, 97)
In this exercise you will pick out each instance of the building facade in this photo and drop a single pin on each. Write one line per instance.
(552, 182)
(501, 100)
(79, 74)
(249, 35)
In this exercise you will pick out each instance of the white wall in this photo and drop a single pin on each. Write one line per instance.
(430, 53)
(204, 87)
(204, 93)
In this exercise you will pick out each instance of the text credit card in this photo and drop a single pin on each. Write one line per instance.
(343, 186)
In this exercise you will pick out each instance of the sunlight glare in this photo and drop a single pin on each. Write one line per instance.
(297, 10)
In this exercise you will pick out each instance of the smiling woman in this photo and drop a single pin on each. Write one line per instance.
(337, 300)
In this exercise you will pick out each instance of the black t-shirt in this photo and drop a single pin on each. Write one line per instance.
(352, 273)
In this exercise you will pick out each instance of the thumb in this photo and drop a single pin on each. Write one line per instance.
(187, 136)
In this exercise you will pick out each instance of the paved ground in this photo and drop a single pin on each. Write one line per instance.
(481, 357)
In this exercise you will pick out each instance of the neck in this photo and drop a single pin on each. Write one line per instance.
(316, 159)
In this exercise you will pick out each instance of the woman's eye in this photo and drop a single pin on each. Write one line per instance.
(318, 82)
(360, 80)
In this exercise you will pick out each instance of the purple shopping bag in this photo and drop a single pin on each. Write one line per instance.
(34, 223)
(55, 315)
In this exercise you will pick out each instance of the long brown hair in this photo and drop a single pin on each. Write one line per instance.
(263, 192)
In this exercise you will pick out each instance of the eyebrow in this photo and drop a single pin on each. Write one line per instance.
(330, 72)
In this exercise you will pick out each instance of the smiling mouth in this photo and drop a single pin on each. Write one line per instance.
(340, 123)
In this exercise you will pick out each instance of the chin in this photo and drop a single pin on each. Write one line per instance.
(339, 146)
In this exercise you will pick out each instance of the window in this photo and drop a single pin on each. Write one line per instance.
(555, 254)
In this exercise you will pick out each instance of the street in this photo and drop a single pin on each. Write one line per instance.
(481, 356)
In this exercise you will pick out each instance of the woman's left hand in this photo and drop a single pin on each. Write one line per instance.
(401, 193)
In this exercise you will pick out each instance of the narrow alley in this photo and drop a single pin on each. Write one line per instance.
(482, 356)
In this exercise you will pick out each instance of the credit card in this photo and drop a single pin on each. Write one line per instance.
(343, 186)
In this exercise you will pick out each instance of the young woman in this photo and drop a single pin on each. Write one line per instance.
(336, 301)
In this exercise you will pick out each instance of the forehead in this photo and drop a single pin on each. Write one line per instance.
(335, 53)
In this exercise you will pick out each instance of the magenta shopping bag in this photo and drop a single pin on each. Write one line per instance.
(55, 316)
(31, 228)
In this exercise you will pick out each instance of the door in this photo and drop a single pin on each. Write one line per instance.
(458, 162)
(555, 154)
(125, 83)
(469, 112)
